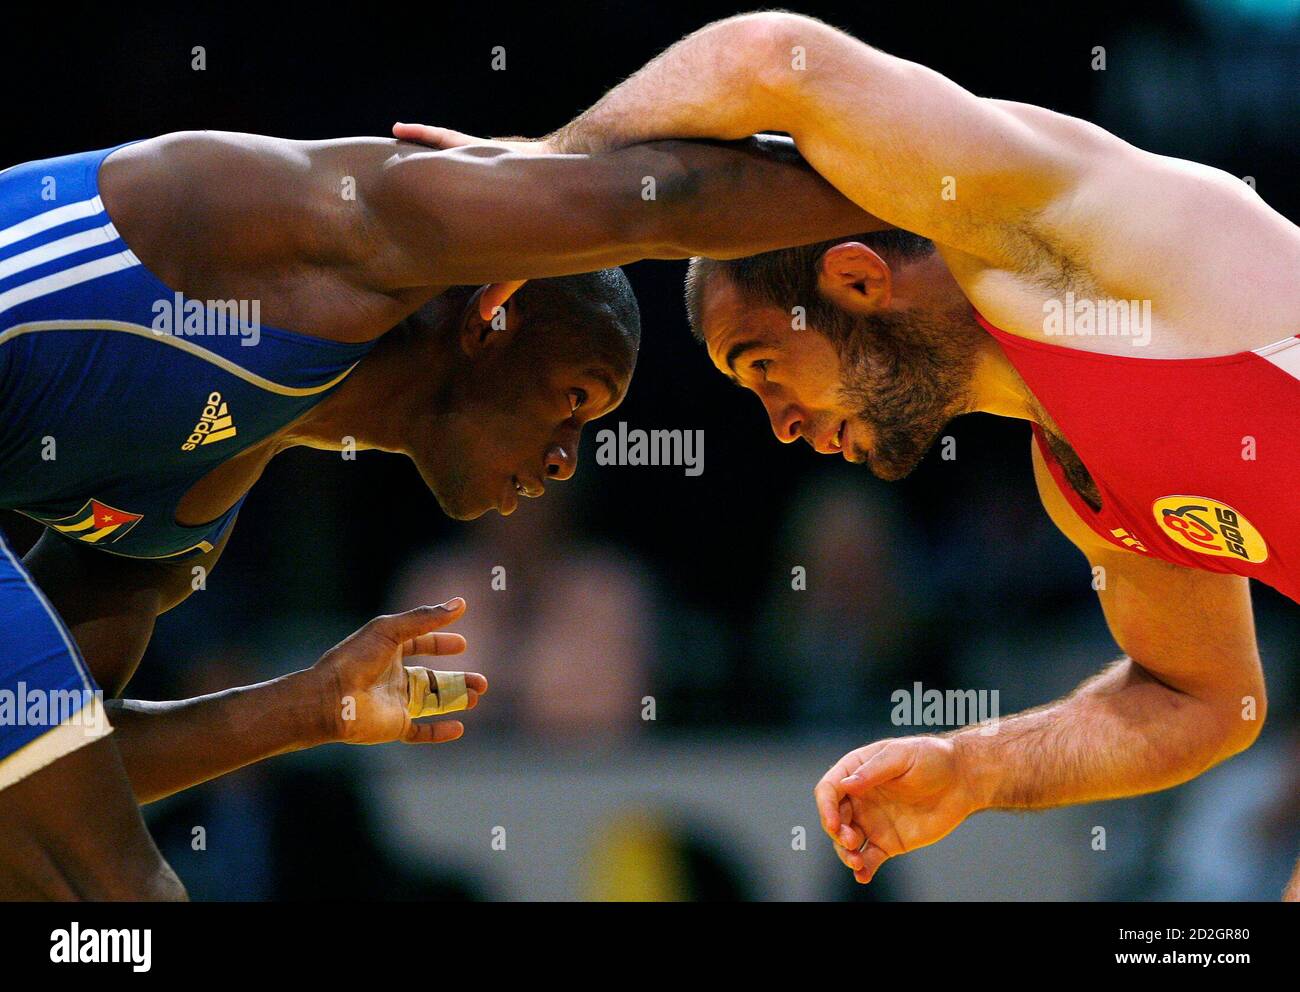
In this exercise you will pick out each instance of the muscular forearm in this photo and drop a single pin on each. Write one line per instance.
(533, 216)
(740, 198)
(1121, 733)
(170, 746)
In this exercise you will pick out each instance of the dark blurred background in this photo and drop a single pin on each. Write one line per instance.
(643, 582)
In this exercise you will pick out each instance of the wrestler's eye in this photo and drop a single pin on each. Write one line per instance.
(761, 366)
(577, 397)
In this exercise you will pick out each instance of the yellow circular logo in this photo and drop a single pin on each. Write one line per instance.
(1210, 527)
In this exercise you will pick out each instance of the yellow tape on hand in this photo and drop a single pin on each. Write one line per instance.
(430, 693)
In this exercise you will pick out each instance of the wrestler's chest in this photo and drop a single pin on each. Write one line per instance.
(225, 483)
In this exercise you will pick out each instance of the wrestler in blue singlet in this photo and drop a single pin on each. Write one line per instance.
(117, 395)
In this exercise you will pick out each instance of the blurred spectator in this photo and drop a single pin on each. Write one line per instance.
(563, 627)
(850, 619)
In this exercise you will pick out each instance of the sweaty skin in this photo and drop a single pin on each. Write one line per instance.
(1045, 204)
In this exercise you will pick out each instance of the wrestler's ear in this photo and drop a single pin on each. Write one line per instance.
(855, 278)
(480, 335)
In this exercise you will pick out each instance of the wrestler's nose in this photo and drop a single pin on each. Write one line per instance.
(787, 419)
(561, 461)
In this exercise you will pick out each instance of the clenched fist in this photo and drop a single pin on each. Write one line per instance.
(892, 797)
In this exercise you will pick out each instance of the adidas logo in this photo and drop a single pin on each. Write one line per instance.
(215, 425)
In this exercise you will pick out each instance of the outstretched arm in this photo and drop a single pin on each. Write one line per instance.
(356, 693)
(346, 237)
(1189, 695)
(110, 604)
(486, 213)
(905, 142)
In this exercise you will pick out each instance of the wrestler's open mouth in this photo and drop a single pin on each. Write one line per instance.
(837, 442)
(532, 489)
(517, 488)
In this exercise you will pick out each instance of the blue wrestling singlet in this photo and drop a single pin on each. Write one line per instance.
(117, 395)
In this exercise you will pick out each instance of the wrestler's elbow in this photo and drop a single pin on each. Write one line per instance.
(1249, 721)
(756, 56)
(783, 53)
(1238, 718)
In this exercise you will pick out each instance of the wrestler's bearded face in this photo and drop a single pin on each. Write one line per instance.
(877, 388)
(904, 374)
